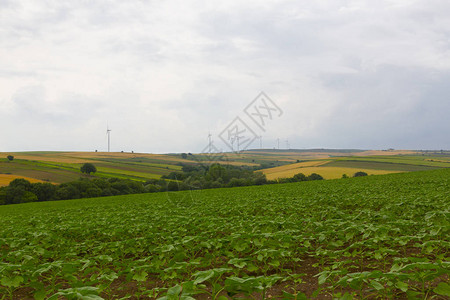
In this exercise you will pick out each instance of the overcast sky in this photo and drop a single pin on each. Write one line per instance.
(346, 74)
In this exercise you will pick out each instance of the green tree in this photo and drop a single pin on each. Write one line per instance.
(300, 177)
(216, 171)
(10, 157)
(259, 178)
(22, 183)
(2, 195)
(172, 186)
(360, 174)
(315, 176)
(184, 155)
(44, 191)
(88, 168)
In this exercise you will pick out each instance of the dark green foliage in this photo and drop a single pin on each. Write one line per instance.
(315, 176)
(22, 191)
(216, 176)
(360, 174)
(29, 197)
(184, 155)
(44, 191)
(10, 157)
(3, 195)
(88, 168)
(19, 191)
(20, 182)
(300, 177)
(172, 186)
(259, 179)
(67, 191)
(152, 188)
(237, 182)
(14, 195)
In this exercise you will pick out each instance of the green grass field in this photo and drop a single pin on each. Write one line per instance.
(363, 238)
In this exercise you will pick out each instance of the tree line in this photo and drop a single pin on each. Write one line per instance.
(191, 177)
(218, 176)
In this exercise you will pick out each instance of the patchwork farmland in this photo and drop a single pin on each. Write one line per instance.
(60, 167)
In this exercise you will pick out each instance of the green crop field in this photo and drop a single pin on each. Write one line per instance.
(371, 237)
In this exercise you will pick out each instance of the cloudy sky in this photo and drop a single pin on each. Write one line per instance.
(346, 74)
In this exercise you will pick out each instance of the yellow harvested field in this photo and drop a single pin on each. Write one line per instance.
(5, 179)
(325, 172)
(295, 167)
(438, 160)
(382, 152)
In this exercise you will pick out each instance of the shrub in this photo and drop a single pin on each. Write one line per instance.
(315, 176)
(29, 197)
(2, 196)
(92, 192)
(152, 188)
(236, 182)
(300, 177)
(44, 191)
(360, 174)
(172, 186)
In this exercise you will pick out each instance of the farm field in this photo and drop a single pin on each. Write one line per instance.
(324, 171)
(368, 237)
(60, 167)
(5, 179)
(335, 167)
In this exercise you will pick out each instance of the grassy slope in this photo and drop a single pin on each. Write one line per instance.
(173, 235)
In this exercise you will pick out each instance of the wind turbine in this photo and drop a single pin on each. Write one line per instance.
(209, 142)
(108, 133)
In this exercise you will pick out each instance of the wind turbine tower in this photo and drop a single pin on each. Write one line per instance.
(209, 142)
(108, 133)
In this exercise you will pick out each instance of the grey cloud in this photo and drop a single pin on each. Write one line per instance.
(350, 74)
(390, 106)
